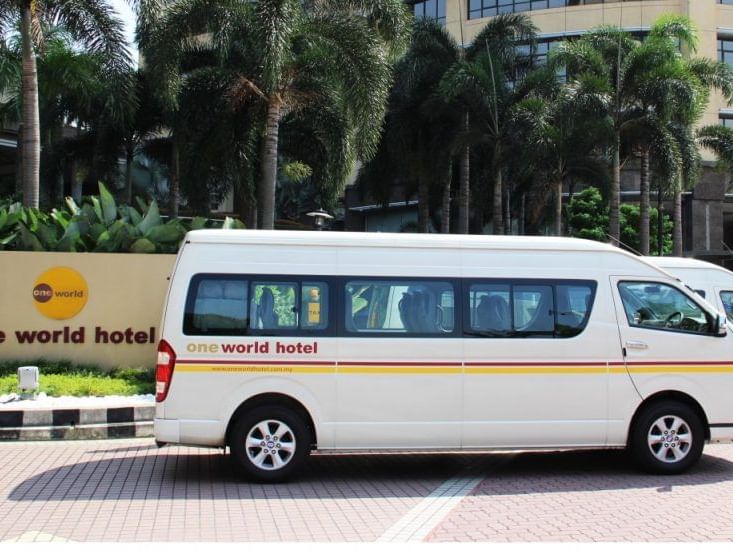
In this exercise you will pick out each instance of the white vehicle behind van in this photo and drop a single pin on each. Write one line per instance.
(712, 282)
(279, 343)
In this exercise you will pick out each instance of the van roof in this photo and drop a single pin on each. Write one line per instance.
(406, 240)
(667, 262)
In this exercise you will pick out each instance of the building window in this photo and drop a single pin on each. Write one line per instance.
(430, 9)
(725, 50)
(725, 119)
(489, 8)
(726, 2)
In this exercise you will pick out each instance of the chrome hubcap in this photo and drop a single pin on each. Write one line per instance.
(270, 445)
(670, 439)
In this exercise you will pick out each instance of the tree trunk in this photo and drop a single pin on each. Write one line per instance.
(614, 226)
(31, 122)
(19, 162)
(497, 212)
(507, 211)
(423, 206)
(129, 159)
(464, 186)
(660, 220)
(644, 205)
(445, 200)
(558, 208)
(175, 173)
(677, 238)
(523, 215)
(269, 166)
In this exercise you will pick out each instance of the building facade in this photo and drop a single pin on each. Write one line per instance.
(708, 209)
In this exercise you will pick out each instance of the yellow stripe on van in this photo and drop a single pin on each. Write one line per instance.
(536, 370)
(669, 369)
(259, 369)
(399, 370)
(508, 369)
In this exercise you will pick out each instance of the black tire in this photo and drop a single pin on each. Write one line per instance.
(272, 417)
(676, 452)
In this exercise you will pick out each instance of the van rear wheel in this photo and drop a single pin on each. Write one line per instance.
(667, 438)
(269, 443)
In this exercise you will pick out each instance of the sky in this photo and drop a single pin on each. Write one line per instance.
(125, 12)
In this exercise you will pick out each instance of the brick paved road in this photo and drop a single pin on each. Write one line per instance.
(131, 491)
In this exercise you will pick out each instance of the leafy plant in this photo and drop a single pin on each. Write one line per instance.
(67, 378)
(97, 225)
(588, 219)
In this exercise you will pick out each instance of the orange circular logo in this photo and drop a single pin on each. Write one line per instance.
(60, 293)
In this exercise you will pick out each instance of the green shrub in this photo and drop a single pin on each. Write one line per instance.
(66, 378)
(97, 225)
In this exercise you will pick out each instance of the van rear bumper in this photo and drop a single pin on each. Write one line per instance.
(166, 431)
(721, 433)
(208, 433)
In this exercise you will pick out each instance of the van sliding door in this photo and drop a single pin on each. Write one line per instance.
(536, 362)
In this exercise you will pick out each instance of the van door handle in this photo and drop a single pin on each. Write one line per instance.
(635, 344)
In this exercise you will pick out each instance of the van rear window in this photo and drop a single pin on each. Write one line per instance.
(217, 306)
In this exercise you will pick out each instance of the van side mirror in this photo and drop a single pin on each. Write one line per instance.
(721, 325)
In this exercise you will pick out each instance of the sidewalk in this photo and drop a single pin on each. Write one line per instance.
(48, 418)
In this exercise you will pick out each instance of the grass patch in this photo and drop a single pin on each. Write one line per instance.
(60, 378)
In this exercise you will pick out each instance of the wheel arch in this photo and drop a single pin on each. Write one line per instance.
(670, 395)
(268, 399)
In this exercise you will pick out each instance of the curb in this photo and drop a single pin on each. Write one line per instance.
(79, 423)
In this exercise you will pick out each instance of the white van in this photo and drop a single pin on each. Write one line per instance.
(279, 343)
(712, 282)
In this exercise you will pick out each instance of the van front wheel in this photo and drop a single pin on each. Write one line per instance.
(667, 438)
(269, 443)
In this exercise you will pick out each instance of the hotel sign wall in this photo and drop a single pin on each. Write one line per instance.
(88, 308)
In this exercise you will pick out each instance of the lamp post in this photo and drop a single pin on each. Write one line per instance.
(319, 218)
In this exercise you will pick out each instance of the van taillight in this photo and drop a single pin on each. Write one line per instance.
(164, 370)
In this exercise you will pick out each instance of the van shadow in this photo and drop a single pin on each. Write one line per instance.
(153, 474)
(587, 471)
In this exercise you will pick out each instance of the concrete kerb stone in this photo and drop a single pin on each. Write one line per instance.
(41, 424)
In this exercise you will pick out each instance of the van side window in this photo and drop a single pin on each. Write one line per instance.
(520, 310)
(289, 306)
(573, 308)
(217, 305)
(533, 309)
(726, 296)
(659, 306)
(274, 305)
(314, 306)
(399, 307)
(236, 305)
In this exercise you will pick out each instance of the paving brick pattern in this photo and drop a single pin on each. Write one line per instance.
(588, 497)
(128, 490)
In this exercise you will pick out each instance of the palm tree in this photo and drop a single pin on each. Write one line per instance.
(719, 139)
(662, 93)
(566, 134)
(93, 25)
(74, 85)
(490, 82)
(610, 55)
(284, 55)
(423, 132)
